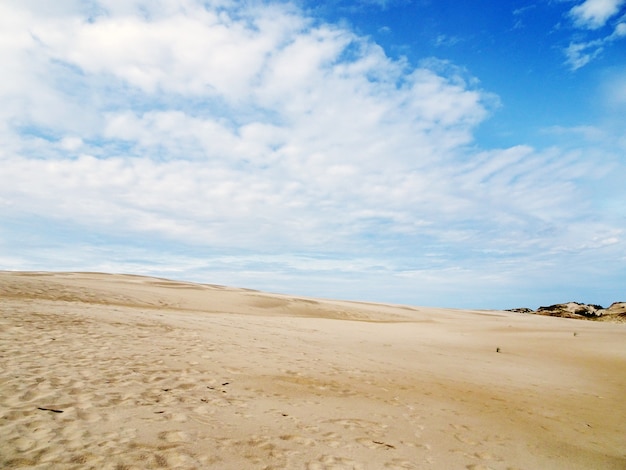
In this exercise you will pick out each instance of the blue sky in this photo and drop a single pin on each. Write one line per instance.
(457, 154)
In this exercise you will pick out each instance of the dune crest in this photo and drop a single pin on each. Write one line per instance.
(128, 372)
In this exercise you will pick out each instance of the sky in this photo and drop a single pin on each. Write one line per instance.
(425, 152)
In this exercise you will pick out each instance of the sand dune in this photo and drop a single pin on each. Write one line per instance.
(127, 372)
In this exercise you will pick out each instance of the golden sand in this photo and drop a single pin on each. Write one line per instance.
(126, 372)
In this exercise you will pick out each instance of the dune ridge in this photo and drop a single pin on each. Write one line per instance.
(131, 372)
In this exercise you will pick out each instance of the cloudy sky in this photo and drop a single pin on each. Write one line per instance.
(459, 154)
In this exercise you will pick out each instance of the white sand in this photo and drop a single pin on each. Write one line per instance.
(148, 373)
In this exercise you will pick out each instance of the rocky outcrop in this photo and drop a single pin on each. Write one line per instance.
(616, 312)
(521, 310)
(571, 310)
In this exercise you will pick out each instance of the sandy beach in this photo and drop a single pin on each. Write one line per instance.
(121, 372)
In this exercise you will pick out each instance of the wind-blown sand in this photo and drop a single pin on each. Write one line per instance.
(119, 372)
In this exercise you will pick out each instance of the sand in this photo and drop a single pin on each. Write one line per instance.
(126, 372)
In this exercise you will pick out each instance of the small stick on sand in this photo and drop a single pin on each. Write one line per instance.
(49, 409)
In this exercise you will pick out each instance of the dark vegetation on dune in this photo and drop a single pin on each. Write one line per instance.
(615, 312)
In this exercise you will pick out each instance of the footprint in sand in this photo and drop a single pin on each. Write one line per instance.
(23, 444)
(418, 445)
(88, 416)
(374, 444)
(331, 462)
(399, 464)
(331, 439)
(174, 436)
(367, 442)
(465, 439)
(462, 436)
(178, 417)
(354, 424)
(303, 441)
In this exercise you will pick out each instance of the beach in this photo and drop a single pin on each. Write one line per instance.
(111, 371)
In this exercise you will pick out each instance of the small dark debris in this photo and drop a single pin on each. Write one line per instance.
(389, 446)
(284, 414)
(158, 412)
(166, 389)
(49, 409)
(225, 383)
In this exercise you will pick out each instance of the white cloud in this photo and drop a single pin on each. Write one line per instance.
(193, 52)
(620, 30)
(614, 90)
(71, 143)
(589, 133)
(593, 14)
(443, 40)
(580, 54)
